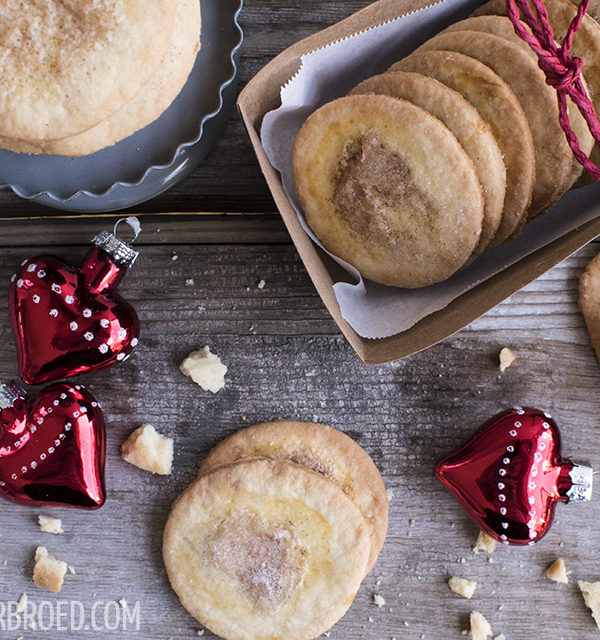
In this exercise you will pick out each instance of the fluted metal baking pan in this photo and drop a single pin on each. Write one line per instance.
(156, 157)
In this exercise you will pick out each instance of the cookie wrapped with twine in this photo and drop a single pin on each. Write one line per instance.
(562, 70)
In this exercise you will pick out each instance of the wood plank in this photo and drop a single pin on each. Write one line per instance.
(173, 228)
(286, 359)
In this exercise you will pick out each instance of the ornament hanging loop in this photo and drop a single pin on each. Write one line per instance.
(9, 393)
(134, 225)
(119, 250)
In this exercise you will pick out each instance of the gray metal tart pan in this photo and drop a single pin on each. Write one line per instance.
(156, 157)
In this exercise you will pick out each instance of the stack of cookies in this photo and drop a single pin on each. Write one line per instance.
(446, 155)
(275, 536)
(80, 76)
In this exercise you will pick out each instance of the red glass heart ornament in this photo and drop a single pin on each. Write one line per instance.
(69, 320)
(510, 476)
(52, 450)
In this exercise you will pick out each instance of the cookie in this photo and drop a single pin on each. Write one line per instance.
(67, 65)
(589, 301)
(324, 450)
(153, 99)
(501, 26)
(553, 156)
(593, 9)
(265, 549)
(470, 129)
(387, 187)
(499, 107)
(586, 45)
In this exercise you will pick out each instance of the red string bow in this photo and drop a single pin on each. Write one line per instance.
(562, 70)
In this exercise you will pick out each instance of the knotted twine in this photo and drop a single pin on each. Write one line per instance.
(562, 70)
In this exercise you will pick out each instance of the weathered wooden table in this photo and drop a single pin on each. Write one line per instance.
(287, 359)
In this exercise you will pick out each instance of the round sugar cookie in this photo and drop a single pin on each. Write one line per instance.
(501, 26)
(265, 549)
(324, 450)
(499, 107)
(465, 122)
(589, 301)
(553, 156)
(66, 65)
(151, 101)
(387, 187)
(586, 45)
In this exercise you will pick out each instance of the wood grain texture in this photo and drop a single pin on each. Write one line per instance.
(286, 359)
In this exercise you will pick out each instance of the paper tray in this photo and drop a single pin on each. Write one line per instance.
(262, 95)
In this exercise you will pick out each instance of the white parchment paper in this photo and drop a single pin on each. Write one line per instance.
(373, 310)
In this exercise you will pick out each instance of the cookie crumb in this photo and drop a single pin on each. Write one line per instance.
(50, 525)
(500, 637)
(261, 284)
(200, 632)
(557, 571)
(71, 570)
(189, 282)
(22, 604)
(507, 357)
(174, 257)
(48, 572)
(390, 494)
(463, 587)
(485, 542)
(149, 450)
(480, 627)
(205, 369)
(591, 596)
(379, 600)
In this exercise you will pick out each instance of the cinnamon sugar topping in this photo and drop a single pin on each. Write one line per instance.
(371, 184)
(43, 30)
(264, 557)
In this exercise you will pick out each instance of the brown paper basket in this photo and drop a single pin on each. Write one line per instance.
(262, 94)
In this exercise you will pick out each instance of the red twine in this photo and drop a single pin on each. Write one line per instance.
(562, 70)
